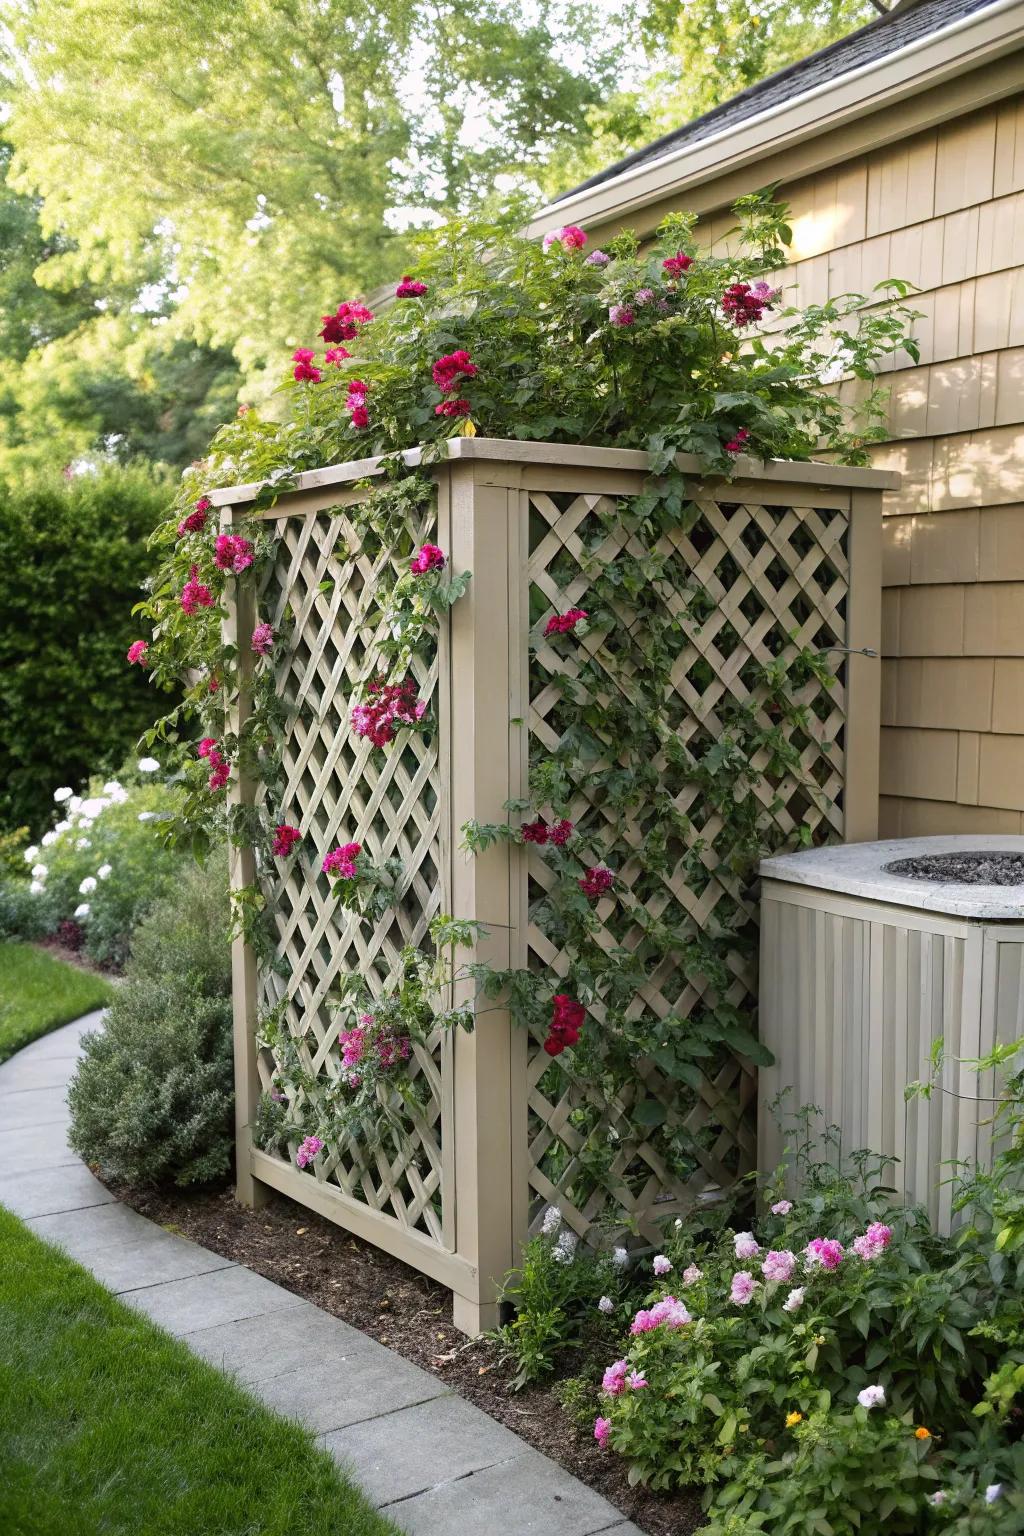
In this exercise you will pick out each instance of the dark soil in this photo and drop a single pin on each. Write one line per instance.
(963, 868)
(60, 951)
(411, 1315)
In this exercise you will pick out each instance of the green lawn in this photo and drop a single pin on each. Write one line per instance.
(108, 1425)
(38, 993)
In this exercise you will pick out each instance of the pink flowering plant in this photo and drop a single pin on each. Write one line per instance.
(360, 885)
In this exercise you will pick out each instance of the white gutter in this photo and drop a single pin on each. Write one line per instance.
(986, 36)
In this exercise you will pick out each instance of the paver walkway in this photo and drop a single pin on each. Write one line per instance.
(432, 1460)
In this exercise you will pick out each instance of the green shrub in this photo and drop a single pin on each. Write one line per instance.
(152, 1099)
(100, 868)
(74, 560)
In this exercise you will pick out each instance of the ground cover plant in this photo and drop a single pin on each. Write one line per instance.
(108, 1424)
(38, 993)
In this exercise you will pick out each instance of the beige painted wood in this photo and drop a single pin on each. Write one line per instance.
(854, 994)
(864, 676)
(237, 626)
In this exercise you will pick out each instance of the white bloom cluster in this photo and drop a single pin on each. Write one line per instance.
(87, 886)
(148, 765)
(552, 1221)
(564, 1250)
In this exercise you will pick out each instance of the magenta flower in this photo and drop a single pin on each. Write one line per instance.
(205, 747)
(285, 839)
(779, 1265)
(355, 403)
(602, 1430)
(614, 1380)
(262, 640)
(137, 653)
(346, 322)
(220, 768)
(636, 1380)
(353, 1045)
(873, 1243)
(428, 558)
(409, 288)
(392, 1049)
(304, 369)
(570, 237)
(561, 832)
(453, 408)
(564, 623)
(449, 370)
(195, 522)
(594, 884)
(387, 705)
(823, 1251)
(311, 1147)
(336, 355)
(232, 553)
(621, 315)
(745, 304)
(675, 266)
(742, 1288)
(645, 296)
(342, 861)
(739, 442)
(195, 594)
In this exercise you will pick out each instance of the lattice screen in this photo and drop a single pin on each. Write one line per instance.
(325, 595)
(777, 580)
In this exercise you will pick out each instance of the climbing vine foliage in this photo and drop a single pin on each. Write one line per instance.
(635, 794)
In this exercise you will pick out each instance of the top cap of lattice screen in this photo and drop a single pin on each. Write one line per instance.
(510, 450)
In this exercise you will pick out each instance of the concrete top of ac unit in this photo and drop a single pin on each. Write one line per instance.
(973, 875)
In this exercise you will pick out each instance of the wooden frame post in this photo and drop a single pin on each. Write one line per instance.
(484, 635)
(237, 630)
(863, 673)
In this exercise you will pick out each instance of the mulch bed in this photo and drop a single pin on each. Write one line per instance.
(411, 1315)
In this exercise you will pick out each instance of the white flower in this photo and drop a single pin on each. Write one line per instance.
(606, 1304)
(112, 787)
(620, 1258)
(87, 886)
(147, 815)
(82, 844)
(564, 1250)
(49, 838)
(691, 1274)
(30, 853)
(992, 1492)
(75, 803)
(39, 872)
(678, 1222)
(104, 871)
(872, 1397)
(118, 793)
(148, 765)
(661, 1265)
(82, 910)
(552, 1220)
(90, 809)
(938, 1497)
(795, 1299)
(64, 793)
(746, 1245)
(36, 887)
(62, 827)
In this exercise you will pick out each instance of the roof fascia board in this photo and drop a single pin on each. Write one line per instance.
(982, 38)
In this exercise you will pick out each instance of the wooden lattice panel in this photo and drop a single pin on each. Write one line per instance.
(325, 597)
(773, 579)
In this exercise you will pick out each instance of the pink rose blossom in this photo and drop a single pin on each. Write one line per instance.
(336, 355)
(285, 839)
(779, 1265)
(739, 442)
(195, 522)
(614, 1380)
(428, 558)
(346, 322)
(303, 357)
(311, 1147)
(675, 266)
(262, 640)
(594, 884)
(564, 623)
(570, 237)
(205, 747)
(742, 1288)
(232, 553)
(449, 370)
(602, 1430)
(341, 862)
(453, 408)
(137, 653)
(195, 594)
(823, 1251)
(387, 705)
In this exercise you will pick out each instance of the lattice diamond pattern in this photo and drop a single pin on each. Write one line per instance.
(777, 580)
(324, 595)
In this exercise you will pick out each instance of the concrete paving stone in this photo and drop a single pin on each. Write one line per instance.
(35, 1109)
(153, 1261)
(627, 1528)
(20, 1153)
(526, 1496)
(360, 1386)
(45, 1191)
(80, 1232)
(439, 1440)
(223, 1296)
(23, 1072)
(261, 1347)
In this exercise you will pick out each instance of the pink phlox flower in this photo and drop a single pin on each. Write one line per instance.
(450, 369)
(345, 323)
(691, 1274)
(779, 1265)
(825, 1252)
(336, 355)
(564, 623)
(311, 1147)
(873, 1243)
(353, 1045)
(594, 884)
(410, 288)
(645, 296)
(742, 1288)
(636, 1380)
(661, 1265)
(614, 1380)
(195, 594)
(341, 862)
(602, 1430)
(137, 653)
(570, 237)
(303, 357)
(428, 558)
(675, 266)
(262, 640)
(746, 1245)
(670, 1312)
(285, 839)
(782, 1207)
(232, 553)
(621, 315)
